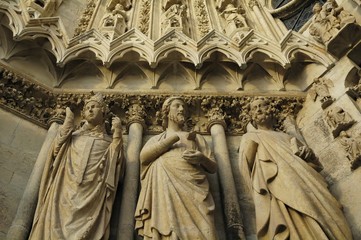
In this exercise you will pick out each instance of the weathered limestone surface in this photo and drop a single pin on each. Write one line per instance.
(216, 54)
(20, 142)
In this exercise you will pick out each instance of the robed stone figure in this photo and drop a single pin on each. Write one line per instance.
(175, 201)
(291, 198)
(80, 178)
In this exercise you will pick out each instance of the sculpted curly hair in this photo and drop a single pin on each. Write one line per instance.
(166, 108)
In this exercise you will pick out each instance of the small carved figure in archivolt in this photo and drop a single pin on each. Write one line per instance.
(324, 24)
(343, 17)
(338, 120)
(174, 17)
(320, 89)
(352, 145)
(328, 21)
(234, 19)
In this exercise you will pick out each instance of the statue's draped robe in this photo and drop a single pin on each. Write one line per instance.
(78, 186)
(175, 201)
(291, 199)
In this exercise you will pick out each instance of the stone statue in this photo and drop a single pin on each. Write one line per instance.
(328, 21)
(338, 120)
(175, 200)
(291, 199)
(324, 24)
(80, 178)
(352, 146)
(234, 19)
(174, 17)
(320, 89)
(343, 17)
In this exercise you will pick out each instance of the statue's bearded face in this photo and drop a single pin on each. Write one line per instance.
(260, 111)
(177, 112)
(93, 113)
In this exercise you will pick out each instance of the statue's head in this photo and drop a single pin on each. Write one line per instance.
(316, 8)
(173, 109)
(94, 109)
(261, 111)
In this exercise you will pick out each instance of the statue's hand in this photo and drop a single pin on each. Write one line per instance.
(69, 117)
(116, 124)
(193, 156)
(304, 152)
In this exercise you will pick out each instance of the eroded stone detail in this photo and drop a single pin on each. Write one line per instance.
(320, 89)
(43, 102)
(338, 120)
(235, 21)
(144, 17)
(352, 146)
(328, 20)
(85, 18)
(42, 8)
(114, 23)
(285, 167)
(202, 17)
(174, 17)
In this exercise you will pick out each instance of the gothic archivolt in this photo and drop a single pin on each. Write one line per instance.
(240, 45)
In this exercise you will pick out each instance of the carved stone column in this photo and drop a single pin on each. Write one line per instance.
(21, 225)
(135, 116)
(232, 212)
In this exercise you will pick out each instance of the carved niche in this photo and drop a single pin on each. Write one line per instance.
(235, 21)
(114, 23)
(174, 16)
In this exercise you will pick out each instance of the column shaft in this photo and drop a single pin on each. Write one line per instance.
(229, 194)
(131, 182)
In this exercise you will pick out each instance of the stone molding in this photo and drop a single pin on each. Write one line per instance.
(239, 50)
(39, 104)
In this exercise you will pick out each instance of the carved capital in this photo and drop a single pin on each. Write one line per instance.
(57, 116)
(253, 3)
(216, 116)
(135, 114)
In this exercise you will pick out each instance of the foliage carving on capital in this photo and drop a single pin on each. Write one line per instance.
(216, 116)
(135, 114)
(35, 103)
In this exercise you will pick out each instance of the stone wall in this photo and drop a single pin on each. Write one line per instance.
(343, 181)
(20, 143)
